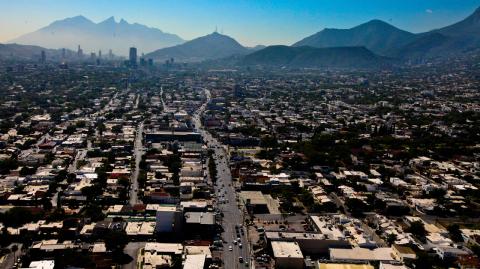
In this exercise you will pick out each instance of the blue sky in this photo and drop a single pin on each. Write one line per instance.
(250, 22)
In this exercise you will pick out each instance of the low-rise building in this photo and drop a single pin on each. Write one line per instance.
(362, 255)
(323, 265)
(287, 255)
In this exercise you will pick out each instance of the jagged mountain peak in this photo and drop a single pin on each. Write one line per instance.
(105, 35)
(110, 20)
(72, 21)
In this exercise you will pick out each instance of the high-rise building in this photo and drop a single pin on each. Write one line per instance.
(79, 52)
(110, 54)
(63, 54)
(100, 54)
(43, 57)
(133, 56)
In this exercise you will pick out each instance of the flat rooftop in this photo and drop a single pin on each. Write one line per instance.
(157, 207)
(297, 235)
(171, 248)
(255, 197)
(361, 254)
(286, 250)
(343, 266)
(195, 261)
(327, 228)
(204, 218)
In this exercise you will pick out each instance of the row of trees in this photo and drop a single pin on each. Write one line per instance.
(212, 167)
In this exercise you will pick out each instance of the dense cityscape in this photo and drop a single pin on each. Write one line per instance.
(131, 162)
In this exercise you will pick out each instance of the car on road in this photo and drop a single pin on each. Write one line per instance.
(240, 245)
(230, 248)
(240, 259)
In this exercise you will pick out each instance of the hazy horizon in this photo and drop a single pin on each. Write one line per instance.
(251, 23)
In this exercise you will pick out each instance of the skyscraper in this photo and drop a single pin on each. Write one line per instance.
(79, 52)
(133, 56)
(43, 57)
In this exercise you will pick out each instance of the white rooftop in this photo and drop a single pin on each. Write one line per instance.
(286, 250)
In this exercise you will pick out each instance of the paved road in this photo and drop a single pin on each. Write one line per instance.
(132, 250)
(233, 215)
(81, 154)
(9, 259)
(161, 99)
(138, 152)
(54, 199)
(137, 100)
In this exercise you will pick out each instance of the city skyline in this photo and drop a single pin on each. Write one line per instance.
(251, 23)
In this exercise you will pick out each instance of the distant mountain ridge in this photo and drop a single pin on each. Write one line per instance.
(105, 35)
(458, 38)
(27, 52)
(309, 57)
(377, 36)
(209, 47)
(468, 26)
(385, 39)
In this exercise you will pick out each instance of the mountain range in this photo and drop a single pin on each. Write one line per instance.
(377, 36)
(374, 43)
(387, 40)
(105, 35)
(309, 57)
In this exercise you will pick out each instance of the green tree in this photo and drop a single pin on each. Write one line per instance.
(5, 237)
(391, 238)
(124, 182)
(417, 229)
(46, 204)
(17, 216)
(117, 129)
(116, 241)
(455, 233)
(25, 171)
(92, 192)
(356, 206)
(93, 211)
(269, 141)
(14, 251)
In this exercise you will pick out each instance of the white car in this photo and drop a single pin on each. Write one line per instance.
(230, 248)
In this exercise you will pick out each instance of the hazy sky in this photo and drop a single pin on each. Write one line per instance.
(250, 22)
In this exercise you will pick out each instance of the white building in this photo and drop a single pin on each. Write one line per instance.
(287, 255)
(45, 264)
